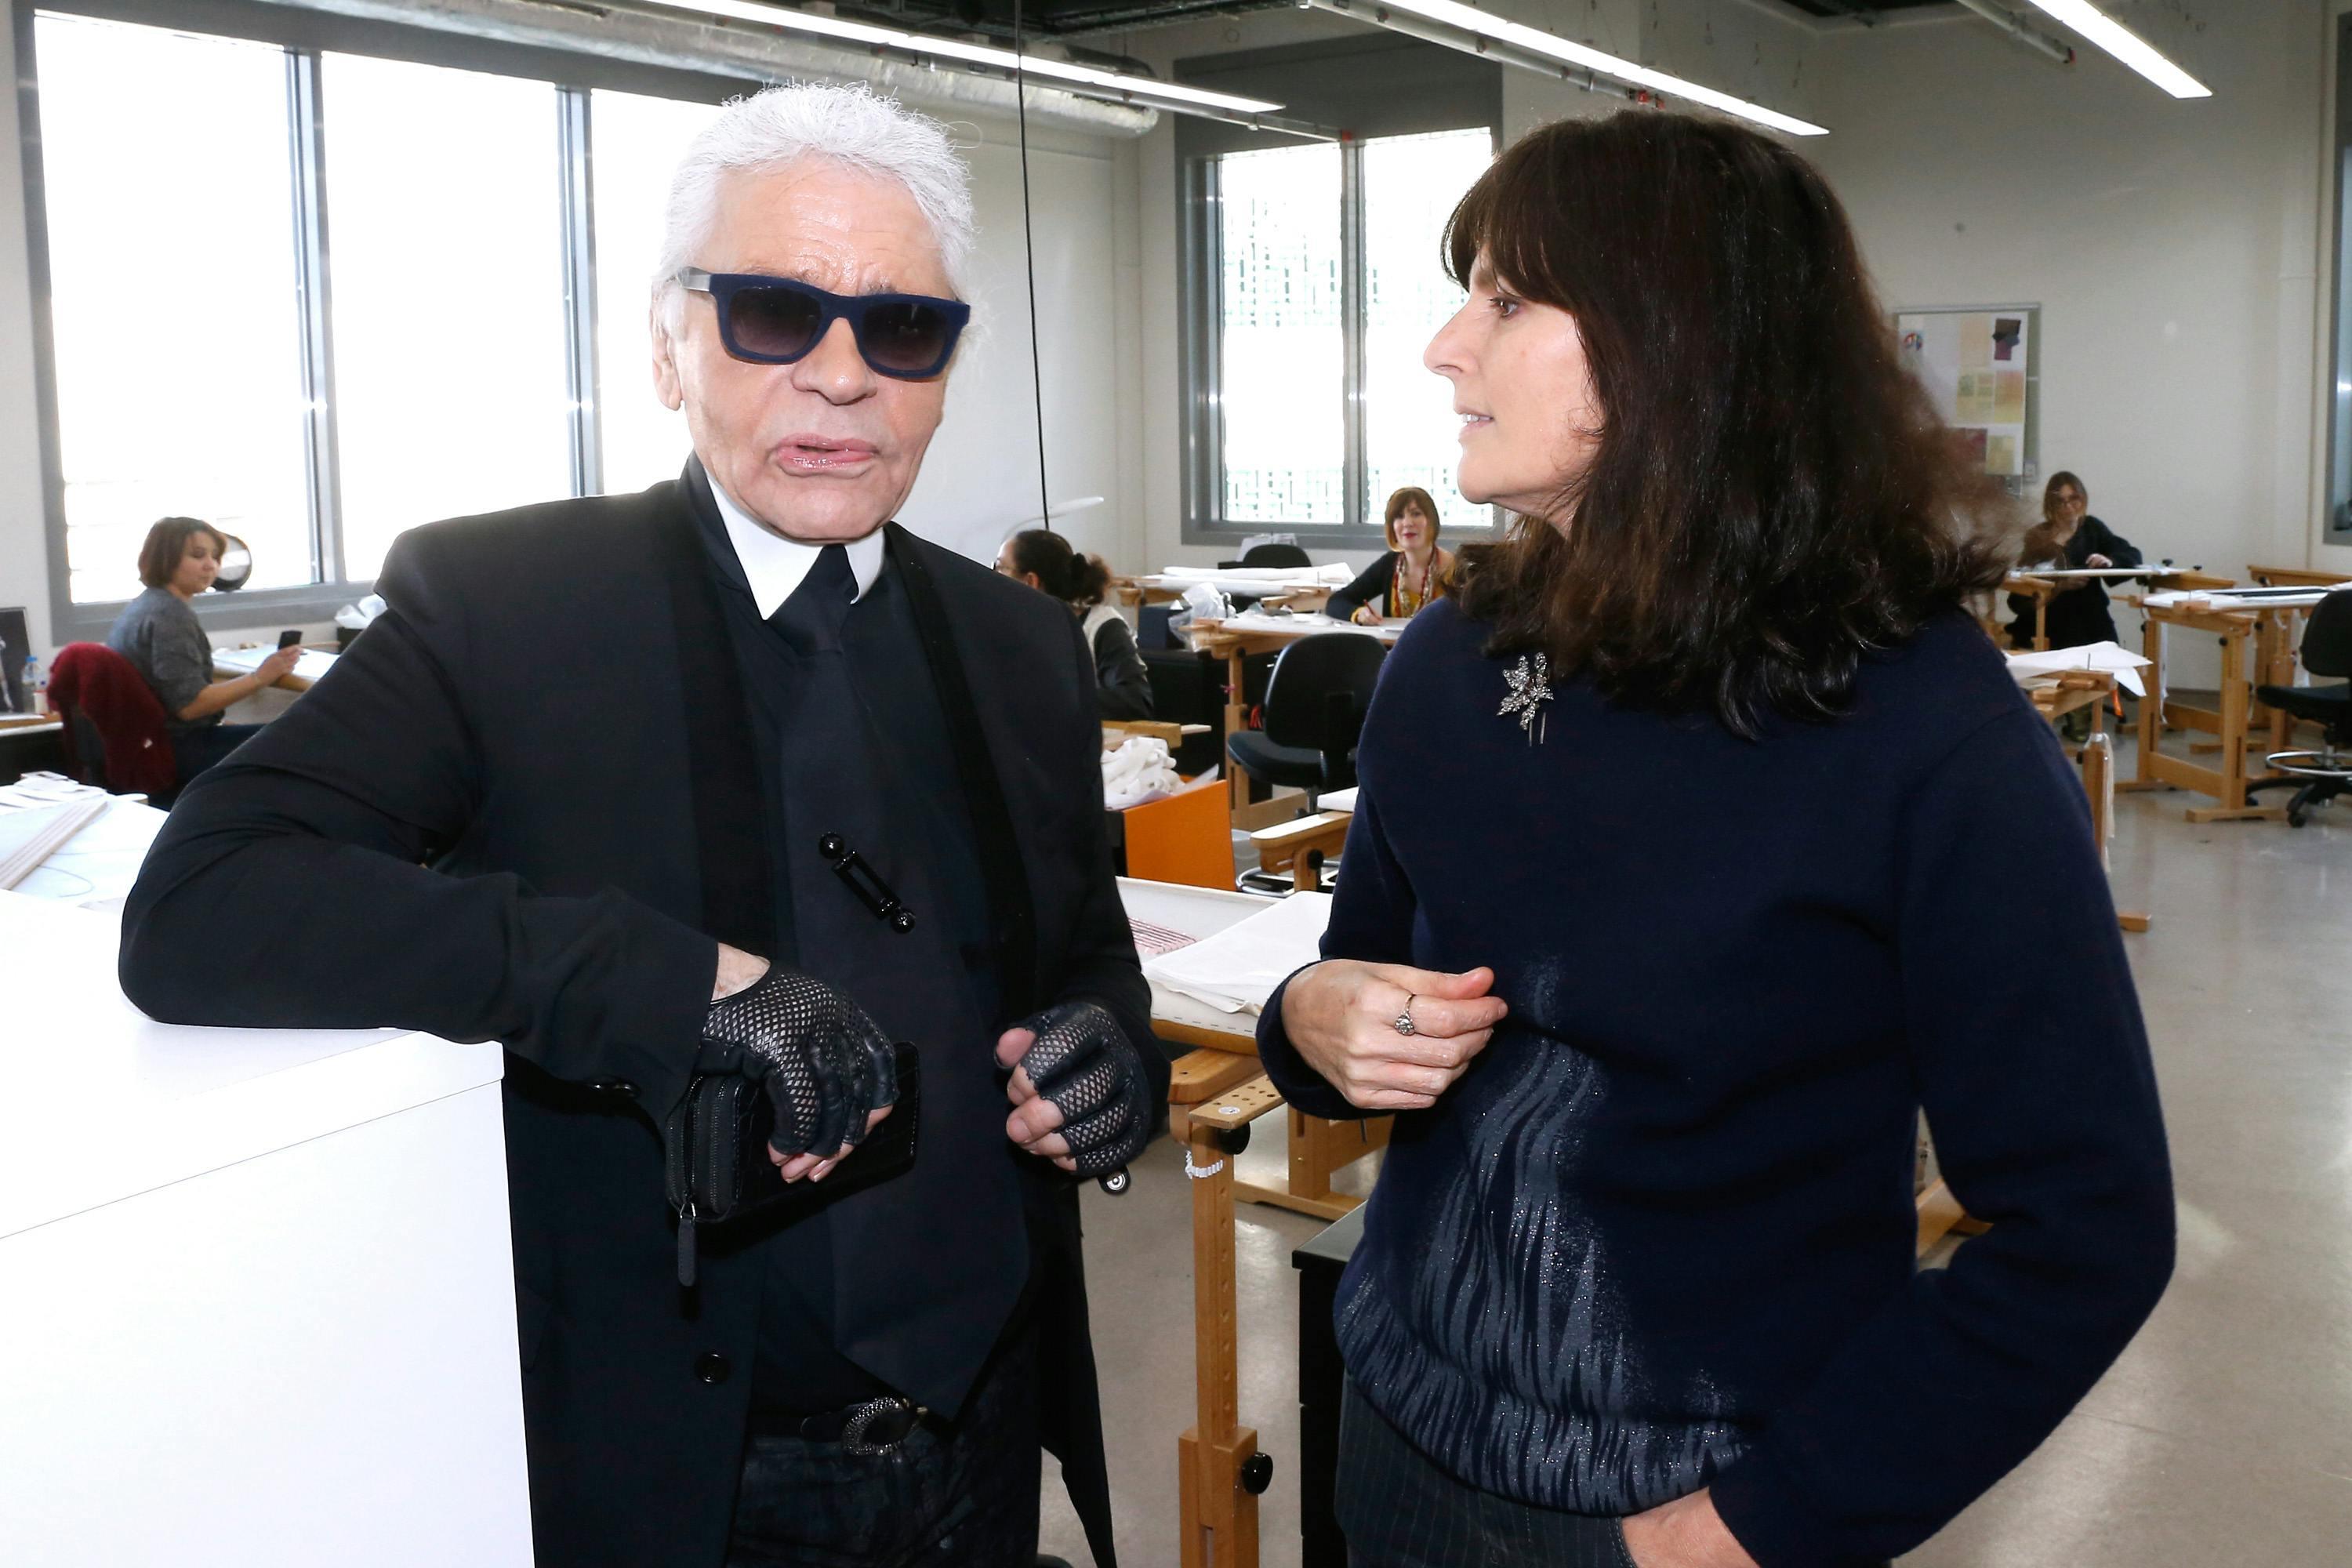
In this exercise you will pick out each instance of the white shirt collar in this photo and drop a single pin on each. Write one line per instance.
(775, 565)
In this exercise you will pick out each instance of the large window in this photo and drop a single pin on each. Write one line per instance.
(1284, 346)
(318, 296)
(1411, 435)
(638, 141)
(445, 235)
(1318, 284)
(172, 266)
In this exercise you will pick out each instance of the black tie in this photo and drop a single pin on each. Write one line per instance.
(810, 617)
(928, 1265)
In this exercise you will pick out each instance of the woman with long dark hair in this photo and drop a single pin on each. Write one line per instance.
(1050, 564)
(1683, 876)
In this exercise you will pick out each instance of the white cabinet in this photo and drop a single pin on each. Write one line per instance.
(256, 1286)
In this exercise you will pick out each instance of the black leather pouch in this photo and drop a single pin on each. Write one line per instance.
(715, 1149)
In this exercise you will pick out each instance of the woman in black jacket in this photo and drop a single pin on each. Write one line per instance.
(1682, 877)
(1047, 563)
(1414, 573)
(2069, 537)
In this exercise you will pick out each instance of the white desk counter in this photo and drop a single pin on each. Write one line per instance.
(256, 1286)
(1196, 913)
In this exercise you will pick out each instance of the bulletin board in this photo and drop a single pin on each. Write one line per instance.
(1981, 366)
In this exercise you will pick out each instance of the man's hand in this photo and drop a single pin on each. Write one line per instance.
(1341, 1017)
(1080, 1096)
(827, 1069)
(1683, 1534)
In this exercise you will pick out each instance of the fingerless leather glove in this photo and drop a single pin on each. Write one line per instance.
(1083, 1064)
(825, 1064)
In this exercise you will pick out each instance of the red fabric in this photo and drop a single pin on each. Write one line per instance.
(128, 714)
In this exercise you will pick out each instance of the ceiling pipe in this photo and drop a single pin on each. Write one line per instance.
(675, 42)
(2017, 27)
(1472, 44)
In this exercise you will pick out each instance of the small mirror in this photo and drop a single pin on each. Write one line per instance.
(236, 566)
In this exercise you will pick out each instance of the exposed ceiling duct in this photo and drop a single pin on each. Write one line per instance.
(2017, 27)
(680, 43)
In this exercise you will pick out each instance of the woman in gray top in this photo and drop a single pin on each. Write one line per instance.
(160, 635)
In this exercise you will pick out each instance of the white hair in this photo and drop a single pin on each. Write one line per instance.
(850, 125)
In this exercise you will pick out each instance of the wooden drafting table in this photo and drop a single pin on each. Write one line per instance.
(2238, 619)
(1215, 1092)
(2042, 587)
(228, 663)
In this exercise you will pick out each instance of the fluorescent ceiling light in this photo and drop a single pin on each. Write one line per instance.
(1538, 42)
(851, 32)
(2126, 45)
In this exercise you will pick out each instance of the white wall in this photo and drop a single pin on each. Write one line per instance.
(1721, 42)
(2176, 250)
(980, 477)
(2173, 246)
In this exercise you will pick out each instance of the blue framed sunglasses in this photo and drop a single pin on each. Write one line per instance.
(775, 321)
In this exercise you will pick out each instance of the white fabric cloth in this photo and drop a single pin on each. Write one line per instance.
(775, 565)
(1138, 771)
(1237, 970)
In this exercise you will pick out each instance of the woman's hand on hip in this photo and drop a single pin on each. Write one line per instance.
(1341, 1016)
(1685, 1533)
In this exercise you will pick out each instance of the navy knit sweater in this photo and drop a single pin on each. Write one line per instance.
(1660, 1236)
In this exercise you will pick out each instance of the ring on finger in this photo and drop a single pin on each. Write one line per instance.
(1403, 1024)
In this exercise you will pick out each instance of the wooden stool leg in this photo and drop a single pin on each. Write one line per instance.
(1219, 1516)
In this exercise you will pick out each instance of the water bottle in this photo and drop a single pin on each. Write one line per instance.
(37, 685)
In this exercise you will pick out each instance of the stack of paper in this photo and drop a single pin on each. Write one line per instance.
(1237, 969)
(2126, 665)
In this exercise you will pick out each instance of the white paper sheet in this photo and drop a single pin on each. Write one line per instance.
(2125, 664)
(1237, 969)
(1259, 621)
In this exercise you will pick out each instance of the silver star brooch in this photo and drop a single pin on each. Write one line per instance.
(1531, 684)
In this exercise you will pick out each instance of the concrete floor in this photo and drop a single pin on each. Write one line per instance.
(2223, 1436)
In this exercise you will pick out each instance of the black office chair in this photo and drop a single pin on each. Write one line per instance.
(1274, 555)
(1262, 555)
(1315, 707)
(2327, 772)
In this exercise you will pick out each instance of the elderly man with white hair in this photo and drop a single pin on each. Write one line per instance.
(724, 805)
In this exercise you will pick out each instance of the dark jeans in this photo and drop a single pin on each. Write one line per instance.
(1399, 1509)
(194, 750)
(963, 1496)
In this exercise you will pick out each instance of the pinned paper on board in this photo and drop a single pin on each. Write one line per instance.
(1976, 341)
(2008, 397)
(1978, 367)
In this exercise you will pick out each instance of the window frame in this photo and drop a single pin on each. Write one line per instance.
(1200, 301)
(305, 37)
(2335, 500)
(1379, 86)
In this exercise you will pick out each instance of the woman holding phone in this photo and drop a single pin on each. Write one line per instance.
(159, 633)
(1657, 1020)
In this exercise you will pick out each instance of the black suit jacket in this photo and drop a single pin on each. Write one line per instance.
(482, 824)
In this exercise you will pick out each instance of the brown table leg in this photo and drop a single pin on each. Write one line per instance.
(1219, 1470)
(2237, 691)
(2151, 711)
